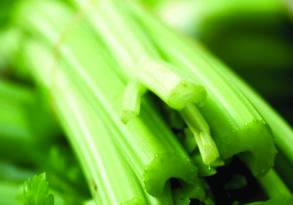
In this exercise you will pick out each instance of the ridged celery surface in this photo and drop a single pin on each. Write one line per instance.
(108, 19)
(237, 125)
(152, 150)
(150, 114)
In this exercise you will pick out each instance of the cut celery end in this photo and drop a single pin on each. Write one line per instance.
(281, 130)
(131, 101)
(175, 91)
(155, 180)
(187, 193)
(143, 139)
(137, 58)
(235, 123)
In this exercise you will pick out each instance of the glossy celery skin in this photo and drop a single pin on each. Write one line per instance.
(137, 58)
(135, 54)
(234, 121)
(151, 148)
(89, 135)
(282, 131)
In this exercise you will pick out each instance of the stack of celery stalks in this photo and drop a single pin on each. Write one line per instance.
(102, 104)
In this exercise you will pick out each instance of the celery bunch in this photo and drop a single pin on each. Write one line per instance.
(151, 116)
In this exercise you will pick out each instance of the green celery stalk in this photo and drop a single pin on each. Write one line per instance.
(151, 147)
(201, 132)
(89, 136)
(282, 131)
(131, 101)
(133, 50)
(139, 61)
(236, 124)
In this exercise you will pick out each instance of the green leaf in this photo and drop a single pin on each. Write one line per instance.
(35, 191)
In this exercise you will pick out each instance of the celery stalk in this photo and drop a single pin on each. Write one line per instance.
(139, 59)
(151, 148)
(282, 131)
(236, 124)
(88, 135)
